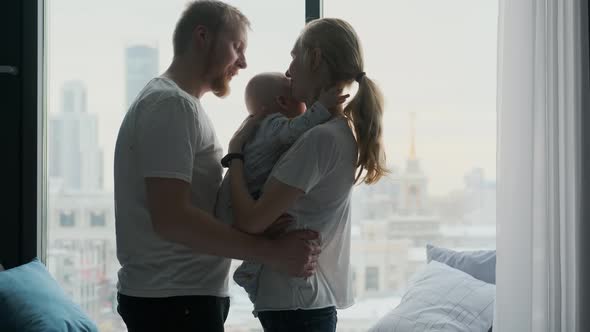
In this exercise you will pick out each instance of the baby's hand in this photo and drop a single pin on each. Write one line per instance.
(332, 97)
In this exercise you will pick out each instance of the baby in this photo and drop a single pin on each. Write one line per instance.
(286, 119)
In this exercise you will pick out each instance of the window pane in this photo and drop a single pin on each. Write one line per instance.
(436, 64)
(100, 54)
(372, 279)
(97, 219)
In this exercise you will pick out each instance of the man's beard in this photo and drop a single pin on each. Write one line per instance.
(220, 82)
(220, 85)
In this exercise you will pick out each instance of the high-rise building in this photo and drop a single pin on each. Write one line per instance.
(74, 154)
(413, 182)
(141, 65)
(403, 192)
(479, 198)
(81, 246)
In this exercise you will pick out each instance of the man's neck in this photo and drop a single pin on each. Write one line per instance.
(187, 77)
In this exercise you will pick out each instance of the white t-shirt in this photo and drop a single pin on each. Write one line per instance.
(322, 164)
(165, 134)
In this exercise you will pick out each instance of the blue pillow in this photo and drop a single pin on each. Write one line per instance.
(31, 300)
(480, 264)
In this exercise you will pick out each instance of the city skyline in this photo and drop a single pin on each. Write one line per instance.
(85, 127)
(451, 89)
(412, 149)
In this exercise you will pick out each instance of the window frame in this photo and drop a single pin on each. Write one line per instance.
(21, 239)
(28, 213)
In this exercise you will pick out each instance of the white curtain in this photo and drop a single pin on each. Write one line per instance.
(538, 167)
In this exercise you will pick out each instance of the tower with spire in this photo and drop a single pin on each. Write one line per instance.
(414, 181)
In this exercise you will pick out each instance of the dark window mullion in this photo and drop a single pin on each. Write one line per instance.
(11, 26)
(313, 10)
(32, 129)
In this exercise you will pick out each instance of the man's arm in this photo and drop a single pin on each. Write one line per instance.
(175, 219)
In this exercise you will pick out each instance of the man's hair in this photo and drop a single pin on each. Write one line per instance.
(214, 15)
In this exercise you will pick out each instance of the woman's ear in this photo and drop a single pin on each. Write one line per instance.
(316, 58)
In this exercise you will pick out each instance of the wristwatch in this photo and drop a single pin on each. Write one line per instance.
(226, 161)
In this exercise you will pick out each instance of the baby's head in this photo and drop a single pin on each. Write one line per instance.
(268, 93)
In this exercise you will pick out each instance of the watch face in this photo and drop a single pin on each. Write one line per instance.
(224, 161)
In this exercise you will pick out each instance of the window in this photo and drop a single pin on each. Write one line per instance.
(435, 62)
(97, 219)
(372, 278)
(67, 219)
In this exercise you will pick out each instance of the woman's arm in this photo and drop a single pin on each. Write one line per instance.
(254, 216)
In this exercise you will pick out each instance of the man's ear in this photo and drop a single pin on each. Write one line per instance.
(282, 101)
(201, 36)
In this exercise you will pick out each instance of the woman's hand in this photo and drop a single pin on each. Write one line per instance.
(244, 132)
(279, 227)
(332, 97)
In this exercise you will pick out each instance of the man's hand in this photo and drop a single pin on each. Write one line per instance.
(244, 132)
(332, 97)
(296, 253)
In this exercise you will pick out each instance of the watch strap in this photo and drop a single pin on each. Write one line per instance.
(226, 160)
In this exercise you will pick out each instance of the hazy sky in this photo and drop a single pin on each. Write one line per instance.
(436, 58)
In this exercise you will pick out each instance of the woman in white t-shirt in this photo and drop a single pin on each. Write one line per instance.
(313, 180)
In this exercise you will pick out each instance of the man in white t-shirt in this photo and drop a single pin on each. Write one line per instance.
(173, 276)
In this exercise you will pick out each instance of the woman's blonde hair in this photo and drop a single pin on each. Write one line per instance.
(340, 49)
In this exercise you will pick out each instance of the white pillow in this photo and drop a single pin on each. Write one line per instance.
(443, 299)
